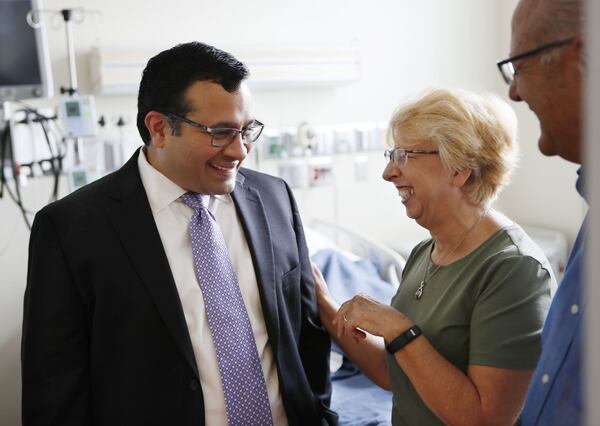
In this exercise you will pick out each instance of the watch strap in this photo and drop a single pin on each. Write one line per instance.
(403, 339)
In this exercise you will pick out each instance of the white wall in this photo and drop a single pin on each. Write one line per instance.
(405, 47)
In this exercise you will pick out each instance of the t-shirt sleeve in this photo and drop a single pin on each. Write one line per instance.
(509, 314)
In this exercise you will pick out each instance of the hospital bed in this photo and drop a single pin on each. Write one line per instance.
(327, 235)
(353, 263)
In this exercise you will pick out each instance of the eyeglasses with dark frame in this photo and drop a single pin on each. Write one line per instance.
(224, 136)
(400, 155)
(507, 67)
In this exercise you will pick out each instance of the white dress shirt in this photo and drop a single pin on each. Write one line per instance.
(172, 219)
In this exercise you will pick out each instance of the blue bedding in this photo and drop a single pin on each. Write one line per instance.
(346, 278)
(357, 400)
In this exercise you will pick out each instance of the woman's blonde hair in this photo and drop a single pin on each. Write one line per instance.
(476, 132)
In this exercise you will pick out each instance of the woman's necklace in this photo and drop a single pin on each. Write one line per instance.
(425, 280)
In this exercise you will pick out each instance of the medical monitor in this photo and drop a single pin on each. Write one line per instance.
(24, 62)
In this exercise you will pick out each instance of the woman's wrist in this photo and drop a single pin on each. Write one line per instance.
(398, 325)
(327, 308)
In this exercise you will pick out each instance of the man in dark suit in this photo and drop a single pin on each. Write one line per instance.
(116, 326)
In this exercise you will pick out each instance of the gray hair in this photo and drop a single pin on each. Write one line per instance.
(562, 18)
(556, 20)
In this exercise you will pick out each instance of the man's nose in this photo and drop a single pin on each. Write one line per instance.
(513, 93)
(237, 149)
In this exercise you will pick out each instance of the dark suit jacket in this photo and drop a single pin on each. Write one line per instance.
(105, 341)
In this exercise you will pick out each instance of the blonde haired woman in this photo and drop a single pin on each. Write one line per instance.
(462, 335)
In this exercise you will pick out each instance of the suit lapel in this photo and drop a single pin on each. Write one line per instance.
(252, 214)
(132, 218)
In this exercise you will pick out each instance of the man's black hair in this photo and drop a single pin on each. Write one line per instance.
(168, 75)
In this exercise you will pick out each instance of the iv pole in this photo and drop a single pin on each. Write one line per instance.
(67, 15)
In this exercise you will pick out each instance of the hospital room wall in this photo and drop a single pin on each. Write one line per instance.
(405, 47)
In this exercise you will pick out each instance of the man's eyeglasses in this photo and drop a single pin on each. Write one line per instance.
(400, 155)
(507, 67)
(223, 136)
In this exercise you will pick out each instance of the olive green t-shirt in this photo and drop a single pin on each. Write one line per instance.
(487, 308)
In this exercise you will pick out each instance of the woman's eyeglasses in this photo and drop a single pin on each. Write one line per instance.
(399, 156)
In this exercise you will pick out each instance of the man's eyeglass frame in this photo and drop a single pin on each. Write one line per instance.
(402, 157)
(212, 130)
(509, 74)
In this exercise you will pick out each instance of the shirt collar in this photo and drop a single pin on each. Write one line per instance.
(160, 190)
(226, 198)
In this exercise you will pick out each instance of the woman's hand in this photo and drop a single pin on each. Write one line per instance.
(327, 306)
(370, 356)
(364, 314)
(320, 284)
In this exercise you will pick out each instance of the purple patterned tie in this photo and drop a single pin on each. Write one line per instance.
(246, 398)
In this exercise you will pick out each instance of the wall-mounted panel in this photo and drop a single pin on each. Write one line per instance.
(117, 71)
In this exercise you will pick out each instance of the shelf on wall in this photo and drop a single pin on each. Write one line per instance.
(117, 71)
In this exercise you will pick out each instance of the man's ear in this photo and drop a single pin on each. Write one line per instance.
(578, 45)
(460, 177)
(157, 125)
(573, 59)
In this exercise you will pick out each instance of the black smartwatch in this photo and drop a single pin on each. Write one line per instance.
(404, 339)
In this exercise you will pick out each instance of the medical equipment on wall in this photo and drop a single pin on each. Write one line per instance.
(304, 156)
(114, 147)
(78, 112)
(323, 140)
(25, 70)
(320, 172)
(78, 116)
(24, 73)
(32, 143)
(21, 125)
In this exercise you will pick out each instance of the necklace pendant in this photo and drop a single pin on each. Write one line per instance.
(419, 291)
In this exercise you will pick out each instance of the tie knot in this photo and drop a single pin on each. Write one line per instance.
(195, 200)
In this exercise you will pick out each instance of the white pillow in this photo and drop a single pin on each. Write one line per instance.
(317, 241)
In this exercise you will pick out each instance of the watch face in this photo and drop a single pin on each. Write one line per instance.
(410, 333)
